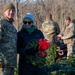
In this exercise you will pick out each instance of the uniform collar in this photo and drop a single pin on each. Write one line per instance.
(9, 20)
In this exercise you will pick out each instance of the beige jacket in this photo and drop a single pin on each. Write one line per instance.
(69, 34)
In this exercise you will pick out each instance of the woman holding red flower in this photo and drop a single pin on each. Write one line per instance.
(26, 35)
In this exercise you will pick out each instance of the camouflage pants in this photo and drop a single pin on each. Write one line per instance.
(8, 71)
(70, 49)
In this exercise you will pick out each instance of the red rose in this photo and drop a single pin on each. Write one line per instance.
(42, 44)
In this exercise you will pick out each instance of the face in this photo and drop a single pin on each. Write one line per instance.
(28, 22)
(9, 13)
(67, 22)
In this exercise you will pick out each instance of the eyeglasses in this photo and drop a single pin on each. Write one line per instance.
(25, 22)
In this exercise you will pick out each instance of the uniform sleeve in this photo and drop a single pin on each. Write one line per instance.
(71, 30)
(5, 34)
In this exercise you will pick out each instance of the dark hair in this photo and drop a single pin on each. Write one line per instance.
(68, 18)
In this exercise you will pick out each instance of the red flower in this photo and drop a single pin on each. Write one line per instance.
(43, 44)
(42, 53)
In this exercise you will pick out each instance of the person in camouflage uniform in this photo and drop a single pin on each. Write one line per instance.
(50, 28)
(69, 36)
(8, 40)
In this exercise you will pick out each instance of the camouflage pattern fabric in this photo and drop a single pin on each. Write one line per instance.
(69, 34)
(8, 71)
(50, 29)
(8, 43)
(8, 46)
(1, 57)
(71, 49)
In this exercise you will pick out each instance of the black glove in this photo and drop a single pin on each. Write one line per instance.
(31, 51)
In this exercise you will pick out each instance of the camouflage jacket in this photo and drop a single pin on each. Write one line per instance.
(8, 40)
(69, 34)
(50, 29)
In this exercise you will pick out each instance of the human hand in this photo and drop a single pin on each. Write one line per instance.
(62, 38)
(59, 36)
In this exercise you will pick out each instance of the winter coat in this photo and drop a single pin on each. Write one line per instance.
(23, 38)
(69, 34)
(8, 42)
(50, 29)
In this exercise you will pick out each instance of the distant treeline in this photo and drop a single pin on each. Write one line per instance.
(58, 8)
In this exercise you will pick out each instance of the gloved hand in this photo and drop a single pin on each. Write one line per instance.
(31, 51)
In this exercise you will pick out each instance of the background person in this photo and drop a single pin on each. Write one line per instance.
(69, 36)
(50, 28)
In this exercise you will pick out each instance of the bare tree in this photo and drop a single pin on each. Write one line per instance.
(58, 8)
